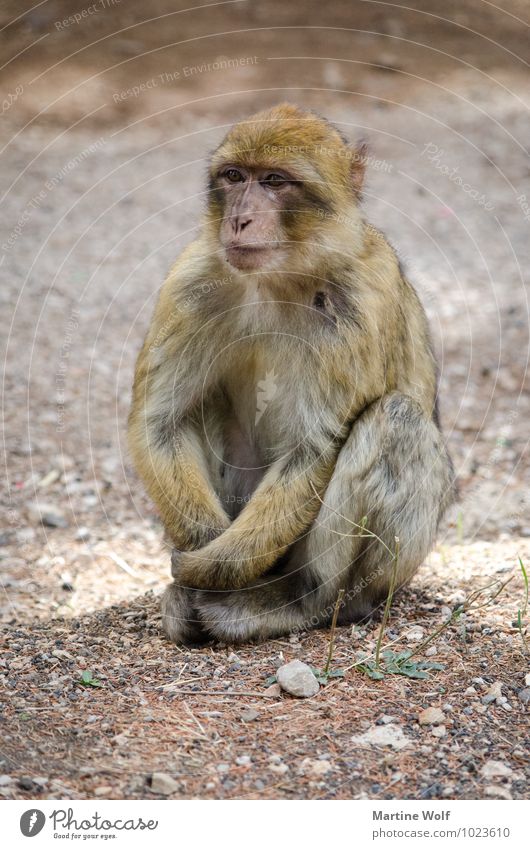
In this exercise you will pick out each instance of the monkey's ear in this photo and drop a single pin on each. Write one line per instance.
(358, 167)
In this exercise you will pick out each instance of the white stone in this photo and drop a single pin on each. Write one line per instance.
(383, 735)
(162, 783)
(431, 716)
(297, 679)
(496, 769)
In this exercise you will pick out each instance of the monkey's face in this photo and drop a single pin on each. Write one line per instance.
(255, 204)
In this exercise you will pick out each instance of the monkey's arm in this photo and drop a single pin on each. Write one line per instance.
(171, 464)
(164, 437)
(283, 506)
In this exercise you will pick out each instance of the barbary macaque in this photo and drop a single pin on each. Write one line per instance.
(284, 415)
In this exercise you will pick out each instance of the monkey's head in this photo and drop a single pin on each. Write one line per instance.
(280, 182)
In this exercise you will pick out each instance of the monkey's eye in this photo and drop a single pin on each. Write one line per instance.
(274, 181)
(233, 175)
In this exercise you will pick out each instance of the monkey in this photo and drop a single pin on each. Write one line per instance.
(284, 415)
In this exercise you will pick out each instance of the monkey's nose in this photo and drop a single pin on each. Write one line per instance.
(239, 222)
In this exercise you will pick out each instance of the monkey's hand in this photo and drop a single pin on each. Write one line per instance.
(282, 508)
(197, 570)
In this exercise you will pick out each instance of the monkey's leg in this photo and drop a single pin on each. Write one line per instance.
(180, 617)
(393, 470)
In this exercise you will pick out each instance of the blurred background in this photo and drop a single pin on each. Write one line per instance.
(110, 111)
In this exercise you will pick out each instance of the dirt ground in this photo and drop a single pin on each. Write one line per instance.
(107, 123)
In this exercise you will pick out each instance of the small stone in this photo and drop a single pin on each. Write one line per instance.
(82, 534)
(6, 779)
(297, 679)
(385, 719)
(527, 679)
(431, 716)
(315, 767)
(279, 769)
(383, 735)
(249, 715)
(162, 783)
(524, 695)
(223, 767)
(47, 514)
(497, 792)
(470, 691)
(415, 635)
(273, 690)
(25, 783)
(439, 731)
(243, 760)
(496, 769)
(104, 790)
(431, 651)
(495, 690)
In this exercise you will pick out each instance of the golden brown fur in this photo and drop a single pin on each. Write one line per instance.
(262, 498)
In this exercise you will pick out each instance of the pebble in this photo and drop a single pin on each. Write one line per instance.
(415, 635)
(82, 534)
(383, 735)
(524, 695)
(279, 769)
(495, 769)
(104, 790)
(249, 715)
(47, 514)
(243, 760)
(431, 716)
(495, 690)
(431, 651)
(527, 679)
(273, 690)
(439, 731)
(297, 679)
(497, 792)
(315, 768)
(493, 694)
(163, 783)
(6, 779)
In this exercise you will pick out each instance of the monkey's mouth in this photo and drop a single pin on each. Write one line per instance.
(245, 257)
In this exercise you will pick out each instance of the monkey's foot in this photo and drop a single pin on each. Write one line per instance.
(180, 619)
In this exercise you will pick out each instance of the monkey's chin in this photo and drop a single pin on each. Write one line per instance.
(249, 259)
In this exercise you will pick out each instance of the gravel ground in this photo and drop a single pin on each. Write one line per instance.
(100, 189)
